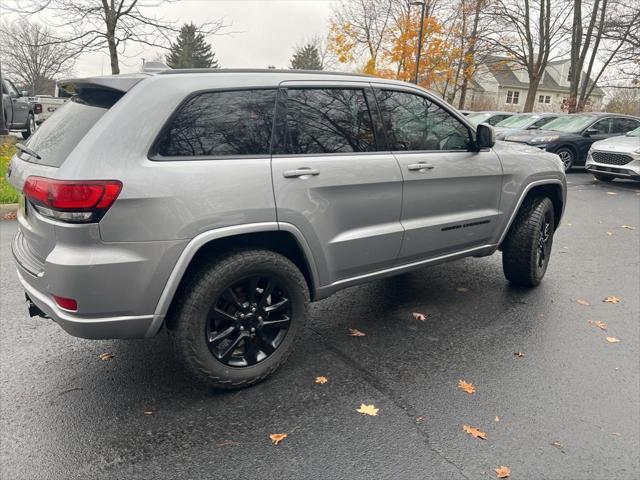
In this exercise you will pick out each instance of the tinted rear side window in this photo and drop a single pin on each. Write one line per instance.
(220, 124)
(60, 134)
(328, 120)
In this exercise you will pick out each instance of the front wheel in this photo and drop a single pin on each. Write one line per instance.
(237, 320)
(567, 157)
(527, 247)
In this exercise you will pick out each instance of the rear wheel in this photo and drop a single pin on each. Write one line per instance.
(527, 247)
(31, 127)
(567, 157)
(238, 318)
(604, 178)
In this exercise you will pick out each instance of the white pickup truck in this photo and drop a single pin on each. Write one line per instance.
(50, 104)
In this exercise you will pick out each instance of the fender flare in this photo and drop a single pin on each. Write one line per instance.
(194, 245)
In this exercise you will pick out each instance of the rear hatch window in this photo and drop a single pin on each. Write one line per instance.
(59, 134)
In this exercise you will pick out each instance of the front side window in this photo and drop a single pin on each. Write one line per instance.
(220, 124)
(603, 126)
(415, 123)
(328, 120)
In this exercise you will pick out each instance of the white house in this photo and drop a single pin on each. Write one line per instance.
(501, 84)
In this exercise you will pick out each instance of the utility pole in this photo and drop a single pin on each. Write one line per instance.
(3, 121)
(423, 5)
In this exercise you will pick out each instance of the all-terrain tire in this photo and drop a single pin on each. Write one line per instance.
(521, 254)
(189, 316)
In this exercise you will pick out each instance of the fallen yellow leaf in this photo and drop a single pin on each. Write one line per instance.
(321, 380)
(611, 299)
(519, 354)
(353, 332)
(368, 410)
(462, 289)
(105, 357)
(276, 438)
(582, 301)
(503, 472)
(419, 316)
(613, 340)
(599, 323)
(474, 432)
(466, 386)
(628, 227)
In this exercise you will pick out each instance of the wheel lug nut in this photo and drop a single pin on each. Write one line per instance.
(241, 328)
(253, 330)
(259, 319)
(242, 315)
(253, 309)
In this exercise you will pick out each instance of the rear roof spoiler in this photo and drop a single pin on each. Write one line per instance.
(119, 83)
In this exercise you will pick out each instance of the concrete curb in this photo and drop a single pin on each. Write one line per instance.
(7, 208)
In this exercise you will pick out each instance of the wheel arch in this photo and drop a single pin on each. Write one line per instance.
(553, 189)
(210, 244)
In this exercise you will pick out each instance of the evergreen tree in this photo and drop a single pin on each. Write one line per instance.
(190, 50)
(306, 57)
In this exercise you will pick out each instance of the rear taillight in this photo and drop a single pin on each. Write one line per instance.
(75, 201)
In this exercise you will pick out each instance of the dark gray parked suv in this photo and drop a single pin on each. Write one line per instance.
(217, 204)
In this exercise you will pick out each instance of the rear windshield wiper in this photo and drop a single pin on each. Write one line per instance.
(28, 151)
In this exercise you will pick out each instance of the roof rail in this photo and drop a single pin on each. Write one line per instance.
(178, 71)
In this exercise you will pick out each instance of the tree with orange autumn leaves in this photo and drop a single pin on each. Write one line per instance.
(381, 38)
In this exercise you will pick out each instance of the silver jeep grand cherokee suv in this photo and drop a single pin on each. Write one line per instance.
(218, 204)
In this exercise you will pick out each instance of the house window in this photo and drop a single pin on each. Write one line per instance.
(513, 96)
(547, 99)
(540, 98)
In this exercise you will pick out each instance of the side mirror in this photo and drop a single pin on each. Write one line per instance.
(13, 94)
(24, 93)
(591, 131)
(485, 136)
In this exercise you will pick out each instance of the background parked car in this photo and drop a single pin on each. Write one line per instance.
(523, 121)
(492, 118)
(571, 136)
(616, 157)
(19, 113)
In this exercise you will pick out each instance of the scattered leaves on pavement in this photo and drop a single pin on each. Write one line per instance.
(321, 380)
(9, 216)
(474, 432)
(628, 227)
(613, 340)
(354, 332)
(419, 419)
(105, 357)
(368, 410)
(519, 354)
(276, 438)
(611, 299)
(227, 443)
(419, 316)
(503, 472)
(599, 323)
(582, 301)
(466, 386)
(462, 289)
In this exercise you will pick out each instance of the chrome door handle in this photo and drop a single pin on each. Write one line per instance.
(300, 172)
(419, 166)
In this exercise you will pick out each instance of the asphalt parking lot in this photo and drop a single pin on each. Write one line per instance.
(568, 408)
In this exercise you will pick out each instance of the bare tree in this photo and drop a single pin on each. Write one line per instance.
(530, 32)
(31, 57)
(611, 38)
(92, 25)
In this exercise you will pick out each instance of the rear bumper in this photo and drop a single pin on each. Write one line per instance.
(94, 328)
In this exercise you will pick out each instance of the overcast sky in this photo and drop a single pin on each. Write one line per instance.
(265, 31)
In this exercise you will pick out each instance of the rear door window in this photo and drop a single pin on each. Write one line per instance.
(222, 123)
(327, 120)
(624, 125)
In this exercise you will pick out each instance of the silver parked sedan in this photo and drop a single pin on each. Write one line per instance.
(616, 157)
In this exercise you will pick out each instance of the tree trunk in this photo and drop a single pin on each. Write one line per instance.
(470, 55)
(534, 82)
(113, 53)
